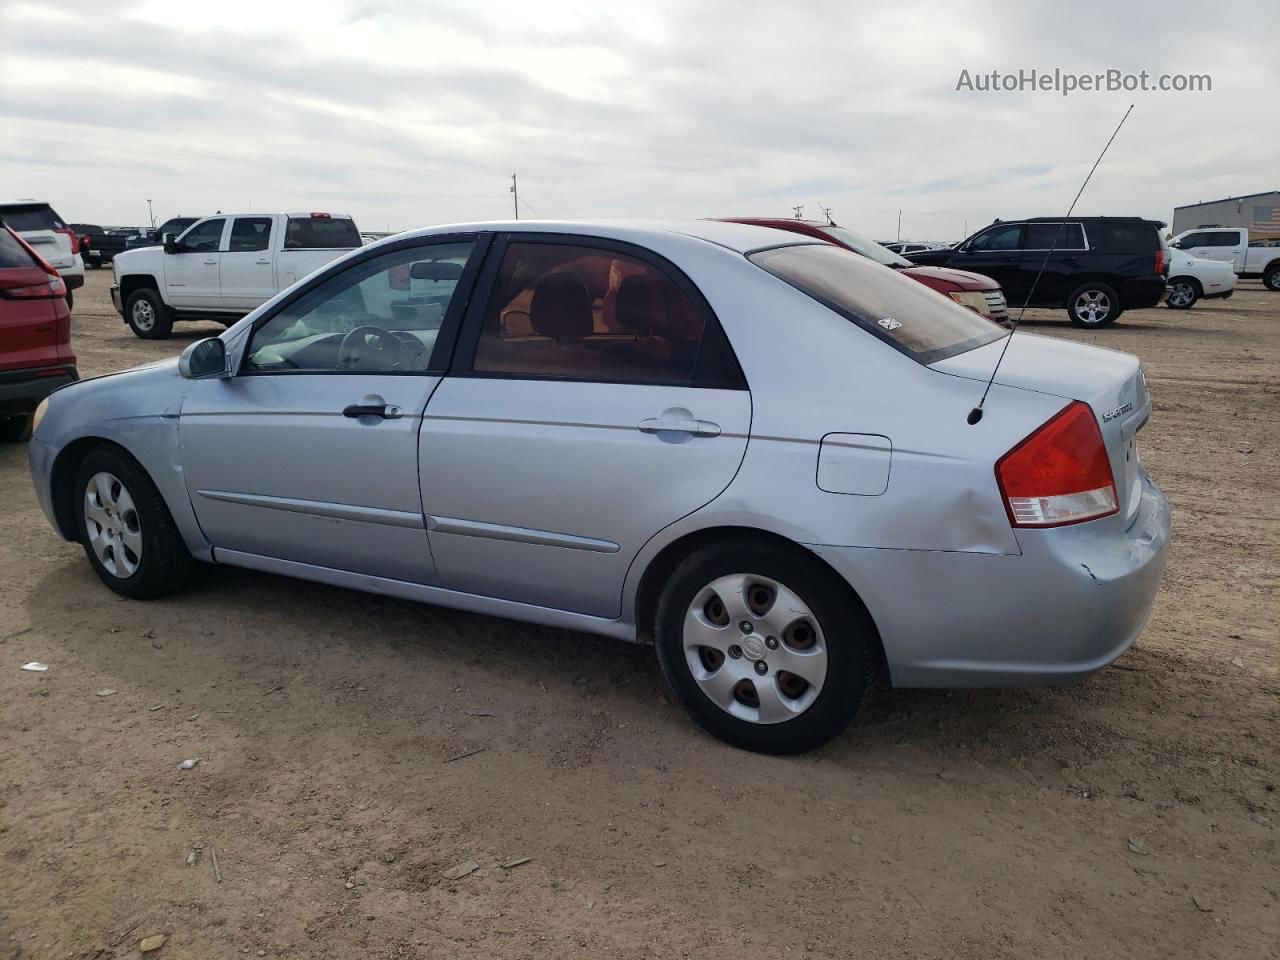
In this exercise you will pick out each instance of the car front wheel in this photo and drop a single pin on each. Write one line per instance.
(1183, 293)
(126, 529)
(766, 648)
(1093, 305)
(1271, 279)
(147, 315)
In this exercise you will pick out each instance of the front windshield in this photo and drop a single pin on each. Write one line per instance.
(868, 248)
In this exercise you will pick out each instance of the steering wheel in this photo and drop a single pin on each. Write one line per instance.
(369, 348)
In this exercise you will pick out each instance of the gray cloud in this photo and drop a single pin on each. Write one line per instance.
(667, 109)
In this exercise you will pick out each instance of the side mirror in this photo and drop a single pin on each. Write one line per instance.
(170, 243)
(204, 360)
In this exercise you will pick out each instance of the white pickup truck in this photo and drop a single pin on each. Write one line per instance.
(1257, 256)
(224, 266)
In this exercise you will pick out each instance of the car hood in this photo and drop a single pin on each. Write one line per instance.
(961, 278)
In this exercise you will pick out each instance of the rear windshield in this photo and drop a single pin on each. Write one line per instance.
(866, 246)
(903, 313)
(1124, 237)
(30, 216)
(311, 233)
(12, 253)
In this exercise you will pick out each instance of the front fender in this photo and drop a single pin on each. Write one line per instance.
(137, 410)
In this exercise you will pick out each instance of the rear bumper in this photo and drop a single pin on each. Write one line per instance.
(1068, 605)
(22, 390)
(1139, 292)
(1220, 295)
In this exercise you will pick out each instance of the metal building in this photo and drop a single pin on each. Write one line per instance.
(1257, 212)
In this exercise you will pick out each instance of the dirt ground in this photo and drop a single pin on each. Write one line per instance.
(981, 824)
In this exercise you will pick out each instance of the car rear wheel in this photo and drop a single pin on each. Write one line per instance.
(1093, 305)
(147, 315)
(767, 649)
(15, 429)
(1183, 293)
(1271, 279)
(126, 529)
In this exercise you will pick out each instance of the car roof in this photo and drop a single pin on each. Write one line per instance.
(1074, 219)
(740, 237)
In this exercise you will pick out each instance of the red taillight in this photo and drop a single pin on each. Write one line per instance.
(71, 236)
(53, 288)
(1162, 261)
(86, 242)
(1060, 474)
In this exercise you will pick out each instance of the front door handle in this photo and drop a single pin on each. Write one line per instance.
(211, 261)
(664, 424)
(263, 260)
(372, 406)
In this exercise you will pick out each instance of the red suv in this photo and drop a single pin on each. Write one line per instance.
(35, 334)
(980, 294)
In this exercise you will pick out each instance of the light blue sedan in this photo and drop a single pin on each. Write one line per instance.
(748, 448)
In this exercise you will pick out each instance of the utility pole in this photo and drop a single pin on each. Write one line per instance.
(798, 210)
(826, 212)
(151, 216)
(899, 224)
(515, 196)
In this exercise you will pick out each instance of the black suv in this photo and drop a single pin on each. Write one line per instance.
(1100, 266)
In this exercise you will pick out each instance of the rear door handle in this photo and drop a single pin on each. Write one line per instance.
(383, 411)
(699, 428)
(211, 261)
(263, 260)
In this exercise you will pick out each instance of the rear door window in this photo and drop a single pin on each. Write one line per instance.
(249, 234)
(1053, 236)
(905, 314)
(570, 312)
(12, 253)
(321, 233)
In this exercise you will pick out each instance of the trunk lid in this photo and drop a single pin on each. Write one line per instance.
(1111, 382)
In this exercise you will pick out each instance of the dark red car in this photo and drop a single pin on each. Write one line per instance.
(35, 334)
(980, 294)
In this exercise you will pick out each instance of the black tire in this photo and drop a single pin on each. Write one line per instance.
(1098, 294)
(1184, 293)
(15, 429)
(846, 630)
(1271, 278)
(147, 315)
(164, 562)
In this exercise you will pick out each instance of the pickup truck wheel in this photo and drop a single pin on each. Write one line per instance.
(1183, 293)
(147, 315)
(1093, 305)
(1271, 279)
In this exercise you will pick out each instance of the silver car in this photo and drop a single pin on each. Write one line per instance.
(746, 447)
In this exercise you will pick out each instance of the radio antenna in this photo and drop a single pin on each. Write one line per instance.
(976, 413)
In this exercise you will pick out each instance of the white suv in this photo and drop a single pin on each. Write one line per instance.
(49, 235)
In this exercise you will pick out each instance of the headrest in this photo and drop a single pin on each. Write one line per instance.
(561, 308)
(639, 308)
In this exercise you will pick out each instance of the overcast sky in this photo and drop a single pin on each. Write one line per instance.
(408, 113)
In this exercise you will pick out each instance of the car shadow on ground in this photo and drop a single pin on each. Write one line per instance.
(224, 614)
